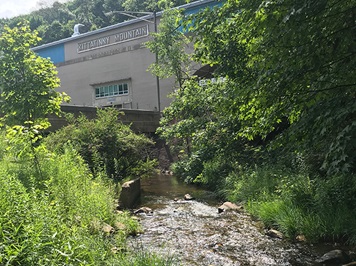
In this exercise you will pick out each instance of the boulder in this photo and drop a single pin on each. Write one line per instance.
(130, 193)
(274, 234)
(229, 206)
(334, 257)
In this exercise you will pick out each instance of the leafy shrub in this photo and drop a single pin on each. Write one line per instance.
(335, 200)
(255, 184)
(51, 220)
(319, 208)
(106, 144)
(214, 173)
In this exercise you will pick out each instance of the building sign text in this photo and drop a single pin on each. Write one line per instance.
(120, 37)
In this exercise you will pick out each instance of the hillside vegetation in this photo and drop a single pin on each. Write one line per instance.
(55, 22)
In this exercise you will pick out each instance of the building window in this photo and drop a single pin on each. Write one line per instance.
(112, 90)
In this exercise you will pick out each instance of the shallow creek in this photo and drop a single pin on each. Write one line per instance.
(194, 233)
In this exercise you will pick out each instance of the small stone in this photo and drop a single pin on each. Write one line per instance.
(188, 197)
(274, 234)
(229, 206)
(301, 238)
(143, 210)
(114, 250)
(108, 229)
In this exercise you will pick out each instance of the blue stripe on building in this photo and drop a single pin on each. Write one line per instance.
(55, 53)
(196, 9)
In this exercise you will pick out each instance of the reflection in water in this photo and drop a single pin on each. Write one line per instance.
(171, 187)
(195, 234)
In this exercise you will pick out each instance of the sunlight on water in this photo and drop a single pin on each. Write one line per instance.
(196, 234)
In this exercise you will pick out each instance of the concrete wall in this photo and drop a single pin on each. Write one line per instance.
(141, 121)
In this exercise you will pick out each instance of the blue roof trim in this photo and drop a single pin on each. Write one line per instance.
(54, 53)
(196, 9)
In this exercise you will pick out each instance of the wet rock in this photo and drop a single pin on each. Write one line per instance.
(301, 238)
(188, 197)
(350, 264)
(145, 210)
(274, 234)
(229, 206)
(166, 172)
(334, 257)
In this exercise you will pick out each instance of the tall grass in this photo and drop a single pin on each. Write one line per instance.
(55, 216)
(319, 208)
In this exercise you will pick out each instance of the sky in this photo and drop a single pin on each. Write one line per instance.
(12, 8)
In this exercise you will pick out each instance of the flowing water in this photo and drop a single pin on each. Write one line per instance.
(194, 233)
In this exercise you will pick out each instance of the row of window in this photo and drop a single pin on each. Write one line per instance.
(112, 90)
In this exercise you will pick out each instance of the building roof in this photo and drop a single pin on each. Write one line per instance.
(196, 4)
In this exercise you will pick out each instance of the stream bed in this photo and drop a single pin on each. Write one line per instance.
(194, 233)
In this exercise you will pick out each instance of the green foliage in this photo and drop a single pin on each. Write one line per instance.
(170, 45)
(203, 138)
(27, 81)
(107, 145)
(289, 219)
(142, 258)
(297, 205)
(56, 218)
(279, 131)
(288, 61)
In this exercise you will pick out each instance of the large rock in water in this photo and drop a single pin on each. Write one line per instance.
(130, 193)
(334, 257)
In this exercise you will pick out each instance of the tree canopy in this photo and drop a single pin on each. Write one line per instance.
(289, 85)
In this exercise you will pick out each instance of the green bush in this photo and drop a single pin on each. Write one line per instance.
(319, 208)
(106, 144)
(55, 216)
(254, 184)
